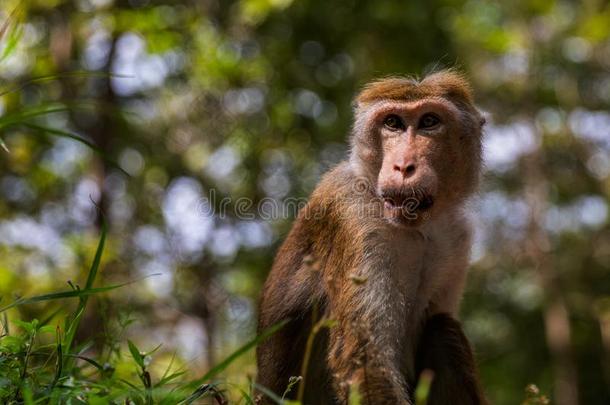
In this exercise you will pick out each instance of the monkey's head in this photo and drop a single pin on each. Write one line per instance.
(418, 143)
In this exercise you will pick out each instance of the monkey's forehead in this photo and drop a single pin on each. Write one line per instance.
(446, 84)
(408, 107)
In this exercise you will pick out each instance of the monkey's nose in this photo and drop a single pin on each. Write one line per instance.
(407, 169)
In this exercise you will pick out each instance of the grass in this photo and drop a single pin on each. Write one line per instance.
(36, 371)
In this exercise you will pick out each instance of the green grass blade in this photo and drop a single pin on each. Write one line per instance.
(47, 319)
(205, 390)
(169, 378)
(63, 134)
(88, 360)
(57, 76)
(245, 396)
(12, 41)
(80, 310)
(129, 384)
(26, 393)
(70, 294)
(4, 147)
(422, 390)
(59, 364)
(270, 394)
(61, 295)
(98, 258)
(25, 114)
(6, 24)
(239, 352)
(70, 135)
(14, 33)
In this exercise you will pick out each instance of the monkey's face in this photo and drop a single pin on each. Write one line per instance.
(428, 157)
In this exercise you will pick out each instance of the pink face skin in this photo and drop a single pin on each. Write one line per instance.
(422, 148)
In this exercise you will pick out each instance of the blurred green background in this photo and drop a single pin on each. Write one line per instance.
(192, 102)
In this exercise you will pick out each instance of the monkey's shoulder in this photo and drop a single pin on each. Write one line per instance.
(342, 203)
(317, 227)
(337, 185)
(328, 228)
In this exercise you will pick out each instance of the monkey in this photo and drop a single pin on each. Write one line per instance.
(381, 251)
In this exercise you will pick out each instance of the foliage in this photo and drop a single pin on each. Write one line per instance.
(182, 123)
(34, 369)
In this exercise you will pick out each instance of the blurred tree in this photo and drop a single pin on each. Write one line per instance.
(204, 106)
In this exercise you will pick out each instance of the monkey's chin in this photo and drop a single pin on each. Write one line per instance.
(406, 216)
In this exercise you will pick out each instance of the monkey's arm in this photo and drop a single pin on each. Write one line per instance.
(359, 360)
(444, 349)
(365, 344)
(288, 295)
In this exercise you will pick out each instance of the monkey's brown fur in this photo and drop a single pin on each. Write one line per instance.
(390, 280)
(445, 84)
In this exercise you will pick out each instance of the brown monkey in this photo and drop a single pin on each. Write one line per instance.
(382, 249)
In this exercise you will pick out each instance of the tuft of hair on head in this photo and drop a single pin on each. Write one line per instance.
(447, 83)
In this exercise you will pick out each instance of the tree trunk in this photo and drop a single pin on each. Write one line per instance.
(555, 312)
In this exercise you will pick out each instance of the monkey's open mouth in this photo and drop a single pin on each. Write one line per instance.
(406, 203)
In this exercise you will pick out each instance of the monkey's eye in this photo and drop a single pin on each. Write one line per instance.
(428, 121)
(393, 122)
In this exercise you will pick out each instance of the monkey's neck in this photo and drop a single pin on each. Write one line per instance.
(444, 221)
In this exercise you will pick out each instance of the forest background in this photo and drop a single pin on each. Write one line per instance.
(192, 130)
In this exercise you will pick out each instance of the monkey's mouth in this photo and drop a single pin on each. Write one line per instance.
(398, 203)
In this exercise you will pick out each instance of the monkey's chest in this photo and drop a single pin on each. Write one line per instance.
(415, 267)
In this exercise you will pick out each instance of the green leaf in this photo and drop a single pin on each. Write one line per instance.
(12, 344)
(29, 327)
(46, 329)
(135, 353)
